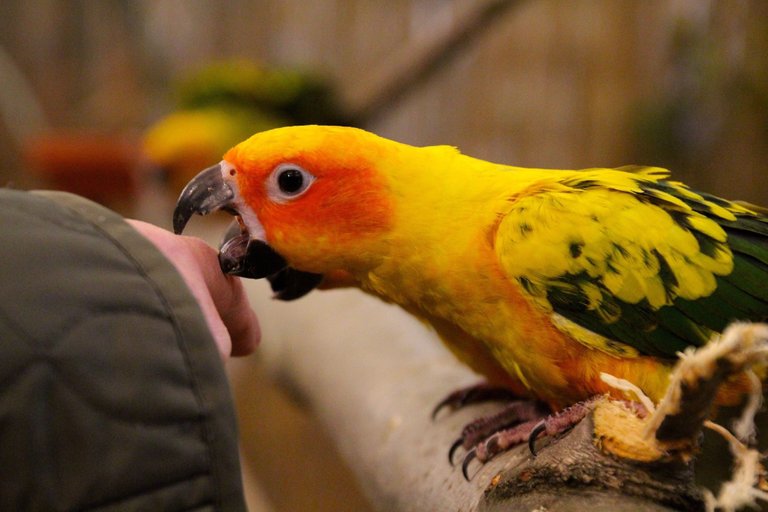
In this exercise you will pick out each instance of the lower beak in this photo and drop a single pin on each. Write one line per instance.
(241, 256)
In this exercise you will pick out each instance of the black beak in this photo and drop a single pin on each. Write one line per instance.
(239, 254)
(206, 193)
(291, 284)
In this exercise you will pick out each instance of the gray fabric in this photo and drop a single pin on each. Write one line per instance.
(112, 393)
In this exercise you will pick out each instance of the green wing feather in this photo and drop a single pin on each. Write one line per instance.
(637, 259)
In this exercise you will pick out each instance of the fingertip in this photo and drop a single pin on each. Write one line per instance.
(221, 297)
(248, 336)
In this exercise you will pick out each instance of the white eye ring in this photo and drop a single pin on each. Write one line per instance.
(288, 181)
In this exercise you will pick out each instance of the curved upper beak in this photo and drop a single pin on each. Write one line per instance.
(206, 193)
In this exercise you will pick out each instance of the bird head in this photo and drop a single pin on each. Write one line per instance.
(310, 202)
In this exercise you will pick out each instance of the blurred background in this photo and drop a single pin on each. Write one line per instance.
(124, 100)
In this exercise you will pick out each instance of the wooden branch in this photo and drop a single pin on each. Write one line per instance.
(574, 474)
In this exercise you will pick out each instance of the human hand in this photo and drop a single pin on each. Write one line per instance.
(221, 297)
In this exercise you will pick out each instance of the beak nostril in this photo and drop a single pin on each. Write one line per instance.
(232, 172)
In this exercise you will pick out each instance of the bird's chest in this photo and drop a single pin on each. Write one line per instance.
(475, 296)
(493, 313)
(462, 291)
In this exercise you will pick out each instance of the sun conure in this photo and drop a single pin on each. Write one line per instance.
(537, 279)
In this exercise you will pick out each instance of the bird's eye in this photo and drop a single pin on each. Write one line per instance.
(289, 181)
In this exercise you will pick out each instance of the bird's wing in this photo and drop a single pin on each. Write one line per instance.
(631, 263)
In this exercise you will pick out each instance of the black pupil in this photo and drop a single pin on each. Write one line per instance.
(290, 181)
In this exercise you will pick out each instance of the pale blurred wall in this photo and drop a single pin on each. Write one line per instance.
(550, 83)
(547, 83)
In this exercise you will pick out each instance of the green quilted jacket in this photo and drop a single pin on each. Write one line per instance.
(112, 393)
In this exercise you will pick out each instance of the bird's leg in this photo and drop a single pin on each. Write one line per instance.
(482, 392)
(504, 439)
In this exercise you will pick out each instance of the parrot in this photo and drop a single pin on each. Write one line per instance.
(539, 280)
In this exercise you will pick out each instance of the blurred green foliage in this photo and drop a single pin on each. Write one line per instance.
(296, 96)
(224, 103)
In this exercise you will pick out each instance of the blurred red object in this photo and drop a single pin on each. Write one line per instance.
(100, 167)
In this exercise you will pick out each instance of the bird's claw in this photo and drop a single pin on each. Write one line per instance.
(471, 454)
(535, 433)
(455, 446)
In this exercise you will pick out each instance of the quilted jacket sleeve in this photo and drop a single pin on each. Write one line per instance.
(113, 395)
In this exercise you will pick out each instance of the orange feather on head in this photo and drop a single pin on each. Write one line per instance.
(346, 205)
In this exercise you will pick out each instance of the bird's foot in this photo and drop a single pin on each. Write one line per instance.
(515, 414)
(525, 429)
